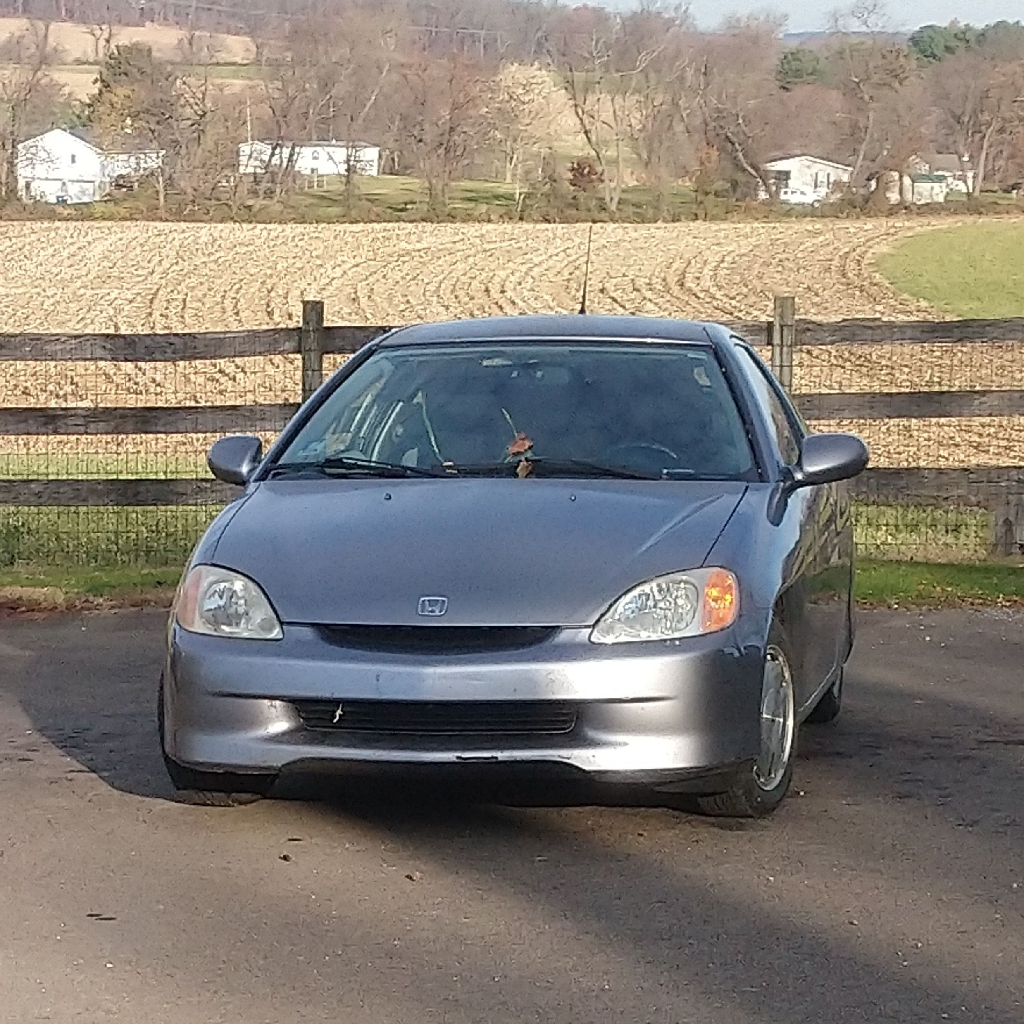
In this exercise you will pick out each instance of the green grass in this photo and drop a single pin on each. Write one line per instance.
(917, 584)
(972, 271)
(399, 198)
(99, 537)
(74, 583)
(155, 538)
(905, 584)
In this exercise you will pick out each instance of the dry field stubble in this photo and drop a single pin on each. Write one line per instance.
(149, 277)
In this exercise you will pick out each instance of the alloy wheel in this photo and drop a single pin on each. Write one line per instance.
(778, 716)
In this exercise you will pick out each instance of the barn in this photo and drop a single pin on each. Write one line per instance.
(314, 159)
(64, 167)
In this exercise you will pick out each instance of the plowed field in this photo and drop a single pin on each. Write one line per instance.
(140, 277)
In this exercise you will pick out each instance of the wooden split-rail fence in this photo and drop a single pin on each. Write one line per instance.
(998, 489)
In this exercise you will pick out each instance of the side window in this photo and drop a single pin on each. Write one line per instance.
(788, 431)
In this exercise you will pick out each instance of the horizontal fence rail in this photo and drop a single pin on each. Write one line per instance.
(227, 419)
(119, 492)
(186, 419)
(157, 348)
(909, 405)
(927, 493)
(989, 487)
(346, 340)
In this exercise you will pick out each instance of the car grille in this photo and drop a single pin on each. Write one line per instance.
(439, 718)
(436, 639)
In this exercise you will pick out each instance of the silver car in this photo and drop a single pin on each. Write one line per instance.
(602, 548)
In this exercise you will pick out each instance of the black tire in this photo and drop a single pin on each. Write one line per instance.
(830, 703)
(210, 789)
(747, 797)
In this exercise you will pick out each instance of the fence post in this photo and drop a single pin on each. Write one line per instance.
(1008, 527)
(311, 346)
(784, 339)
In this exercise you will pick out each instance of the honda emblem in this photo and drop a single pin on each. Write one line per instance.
(432, 606)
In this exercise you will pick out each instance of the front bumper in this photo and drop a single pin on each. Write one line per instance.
(651, 712)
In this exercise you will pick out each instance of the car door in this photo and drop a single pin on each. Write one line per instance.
(822, 560)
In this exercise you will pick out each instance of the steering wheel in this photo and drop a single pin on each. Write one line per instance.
(642, 446)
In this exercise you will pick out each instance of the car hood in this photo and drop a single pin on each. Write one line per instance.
(503, 552)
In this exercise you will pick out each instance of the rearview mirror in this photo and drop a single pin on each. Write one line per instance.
(827, 458)
(234, 459)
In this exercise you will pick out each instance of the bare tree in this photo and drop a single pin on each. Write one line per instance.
(26, 90)
(599, 79)
(1001, 118)
(660, 101)
(522, 106)
(102, 35)
(958, 88)
(441, 119)
(322, 79)
(871, 71)
(204, 128)
(737, 87)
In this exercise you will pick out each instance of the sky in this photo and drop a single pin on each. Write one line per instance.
(808, 15)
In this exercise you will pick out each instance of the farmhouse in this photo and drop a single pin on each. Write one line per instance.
(806, 179)
(63, 167)
(315, 159)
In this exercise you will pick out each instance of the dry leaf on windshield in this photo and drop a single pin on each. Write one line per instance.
(521, 445)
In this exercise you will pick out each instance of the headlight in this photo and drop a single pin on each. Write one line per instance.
(669, 607)
(220, 602)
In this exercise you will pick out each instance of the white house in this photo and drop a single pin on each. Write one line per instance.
(61, 167)
(806, 179)
(133, 163)
(309, 158)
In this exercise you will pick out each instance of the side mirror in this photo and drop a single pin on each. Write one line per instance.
(234, 459)
(827, 458)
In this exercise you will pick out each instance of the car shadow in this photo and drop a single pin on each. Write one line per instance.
(89, 683)
(931, 772)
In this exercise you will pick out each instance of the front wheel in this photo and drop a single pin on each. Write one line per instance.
(760, 788)
(210, 789)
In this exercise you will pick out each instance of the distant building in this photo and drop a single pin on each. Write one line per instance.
(315, 159)
(806, 179)
(912, 189)
(63, 167)
(955, 170)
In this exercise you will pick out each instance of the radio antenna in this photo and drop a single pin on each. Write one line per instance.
(586, 272)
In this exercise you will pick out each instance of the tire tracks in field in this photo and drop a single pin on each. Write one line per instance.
(145, 277)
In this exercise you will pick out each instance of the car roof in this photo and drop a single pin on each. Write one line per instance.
(559, 327)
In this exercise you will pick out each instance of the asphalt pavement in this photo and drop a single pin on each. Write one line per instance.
(890, 887)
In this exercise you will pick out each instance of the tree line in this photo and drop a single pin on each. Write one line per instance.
(555, 101)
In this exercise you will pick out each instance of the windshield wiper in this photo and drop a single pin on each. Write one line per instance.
(351, 465)
(539, 465)
(584, 467)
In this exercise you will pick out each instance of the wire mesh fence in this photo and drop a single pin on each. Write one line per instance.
(941, 406)
(103, 438)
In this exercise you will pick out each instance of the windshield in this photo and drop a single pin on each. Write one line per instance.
(562, 409)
